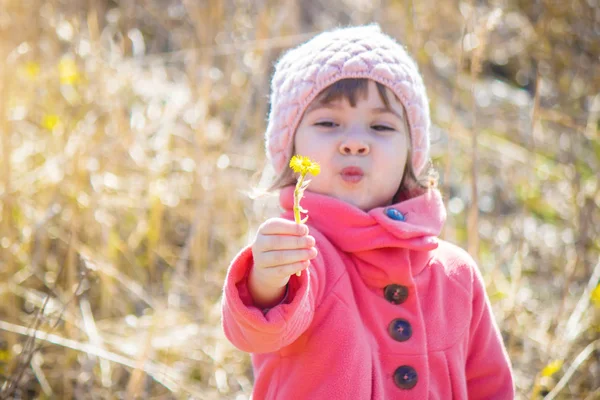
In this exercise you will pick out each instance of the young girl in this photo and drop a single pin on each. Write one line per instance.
(382, 308)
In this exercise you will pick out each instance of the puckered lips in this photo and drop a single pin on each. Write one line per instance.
(352, 174)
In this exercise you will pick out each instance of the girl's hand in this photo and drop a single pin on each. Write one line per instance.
(281, 248)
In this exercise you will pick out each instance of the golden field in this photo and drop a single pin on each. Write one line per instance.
(131, 133)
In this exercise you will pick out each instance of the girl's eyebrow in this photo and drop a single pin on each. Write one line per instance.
(386, 110)
(316, 106)
(336, 106)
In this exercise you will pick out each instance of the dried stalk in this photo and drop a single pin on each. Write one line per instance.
(581, 357)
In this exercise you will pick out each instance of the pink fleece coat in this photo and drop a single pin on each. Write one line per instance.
(333, 336)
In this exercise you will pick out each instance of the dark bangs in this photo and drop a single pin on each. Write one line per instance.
(350, 89)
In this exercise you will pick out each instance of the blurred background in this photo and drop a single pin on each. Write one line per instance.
(131, 132)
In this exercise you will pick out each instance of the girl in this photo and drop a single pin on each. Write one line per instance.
(383, 309)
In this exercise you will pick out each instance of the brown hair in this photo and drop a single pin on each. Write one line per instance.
(349, 89)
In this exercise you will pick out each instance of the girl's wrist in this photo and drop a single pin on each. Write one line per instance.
(283, 299)
(264, 296)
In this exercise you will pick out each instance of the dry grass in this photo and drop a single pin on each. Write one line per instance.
(130, 131)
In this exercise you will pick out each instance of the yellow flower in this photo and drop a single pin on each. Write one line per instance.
(304, 165)
(68, 71)
(595, 296)
(49, 121)
(32, 69)
(4, 355)
(552, 368)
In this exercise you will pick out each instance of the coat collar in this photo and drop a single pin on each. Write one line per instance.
(355, 231)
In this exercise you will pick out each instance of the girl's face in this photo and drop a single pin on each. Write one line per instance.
(362, 150)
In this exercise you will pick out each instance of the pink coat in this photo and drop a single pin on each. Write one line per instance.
(386, 311)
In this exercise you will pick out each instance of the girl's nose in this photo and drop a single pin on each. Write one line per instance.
(354, 146)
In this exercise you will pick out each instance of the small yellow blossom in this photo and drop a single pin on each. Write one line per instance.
(304, 165)
(32, 69)
(552, 368)
(68, 71)
(595, 296)
(4, 355)
(49, 121)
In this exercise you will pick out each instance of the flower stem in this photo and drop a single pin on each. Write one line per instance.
(297, 216)
(297, 195)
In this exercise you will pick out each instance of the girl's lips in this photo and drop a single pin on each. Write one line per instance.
(352, 174)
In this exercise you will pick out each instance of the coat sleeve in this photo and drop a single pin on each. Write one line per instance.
(254, 330)
(488, 368)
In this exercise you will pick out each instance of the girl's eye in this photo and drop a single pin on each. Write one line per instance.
(382, 128)
(326, 124)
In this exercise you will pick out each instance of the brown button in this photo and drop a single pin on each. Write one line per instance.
(396, 294)
(405, 377)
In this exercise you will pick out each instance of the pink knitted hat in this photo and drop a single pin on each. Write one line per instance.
(355, 52)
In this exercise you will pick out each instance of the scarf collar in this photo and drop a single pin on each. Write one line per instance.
(356, 231)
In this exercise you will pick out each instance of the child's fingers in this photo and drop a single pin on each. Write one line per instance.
(283, 242)
(284, 271)
(280, 226)
(284, 257)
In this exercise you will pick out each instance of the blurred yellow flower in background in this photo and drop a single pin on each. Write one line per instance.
(32, 69)
(552, 368)
(68, 71)
(49, 121)
(595, 296)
